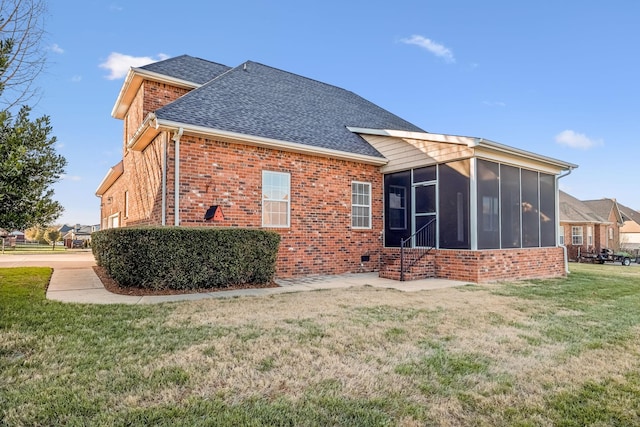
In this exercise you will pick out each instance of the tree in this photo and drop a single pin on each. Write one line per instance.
(52, 235)
(21, 55)
(29, 165)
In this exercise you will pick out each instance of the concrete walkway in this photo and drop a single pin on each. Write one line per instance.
(74, 280)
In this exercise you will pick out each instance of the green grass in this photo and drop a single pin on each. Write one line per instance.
(551, 352)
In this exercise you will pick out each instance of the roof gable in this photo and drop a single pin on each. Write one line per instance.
(604, 208)
(254, 99)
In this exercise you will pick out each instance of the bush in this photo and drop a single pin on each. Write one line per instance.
(186, 258)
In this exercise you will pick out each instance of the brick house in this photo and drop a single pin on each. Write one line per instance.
(588, 226)
(342, 180)
(630, 230)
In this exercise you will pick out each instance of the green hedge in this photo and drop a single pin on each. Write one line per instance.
(186, 258)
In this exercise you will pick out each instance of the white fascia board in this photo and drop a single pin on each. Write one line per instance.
(524, 153)
(422, 136)
(134, 79)
(471, 142)
(112, 175)
(273, 143)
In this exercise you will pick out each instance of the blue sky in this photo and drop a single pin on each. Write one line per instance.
(556, 78)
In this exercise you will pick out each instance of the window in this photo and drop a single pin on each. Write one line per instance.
(590, 236)
(530, 209)
(548, 210)
(610, 233)
(126, 204)
(561, 235)
(576, 236)
(360, 205)
(397, 208)
(114, 221)
(488, 205)
(510, 209)
(276, 199)
(453, 205)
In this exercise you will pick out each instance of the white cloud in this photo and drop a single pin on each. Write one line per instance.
(433, 47)
(115, 7)
(118, 64)
(76, 78)
(495, 104)
(577, 140)
(72, 177)
(56, 49)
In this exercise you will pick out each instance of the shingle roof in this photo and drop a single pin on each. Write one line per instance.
(573, 210)
(629, 213)
(259, 100)
(603, 207)
(188, 68)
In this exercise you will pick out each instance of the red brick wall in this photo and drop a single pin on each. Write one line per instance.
(320, 239)
(142, 178)
(502, 264)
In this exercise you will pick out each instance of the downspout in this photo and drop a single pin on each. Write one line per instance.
(564, 247)
(176, 184)
(164, 180)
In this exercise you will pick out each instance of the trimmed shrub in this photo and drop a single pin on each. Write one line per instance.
(186, 258)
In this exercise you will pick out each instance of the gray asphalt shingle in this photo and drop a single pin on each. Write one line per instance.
(188, 68)
(262, 101)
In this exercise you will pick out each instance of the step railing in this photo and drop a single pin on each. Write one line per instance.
(423, 240)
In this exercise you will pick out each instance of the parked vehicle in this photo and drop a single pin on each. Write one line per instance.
(606, 255)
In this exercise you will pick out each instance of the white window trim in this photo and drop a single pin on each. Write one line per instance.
(589, 236)
(287, 201)
(368, 186)
(126, 204)
(115, 216)
(561, 235)
(574, 236)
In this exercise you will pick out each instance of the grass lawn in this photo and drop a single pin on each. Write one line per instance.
(553, 352)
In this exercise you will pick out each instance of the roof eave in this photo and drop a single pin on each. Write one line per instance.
(162, 124)
(133, 81)
(471, 142)
(112, 175)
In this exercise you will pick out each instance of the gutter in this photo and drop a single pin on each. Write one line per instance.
(564, 247)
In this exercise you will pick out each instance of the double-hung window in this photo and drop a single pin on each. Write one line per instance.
(576, 236)
(360, 205)
(276, 199)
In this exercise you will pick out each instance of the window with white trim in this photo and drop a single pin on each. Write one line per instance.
(561, 235)
(576, 236)
(276, 199)
(360, 204)
(126, 204)
(114, 221)
(590, 236)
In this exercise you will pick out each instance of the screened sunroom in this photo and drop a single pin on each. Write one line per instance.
(474, 194)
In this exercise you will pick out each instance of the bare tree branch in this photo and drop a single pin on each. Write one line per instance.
(21, 36)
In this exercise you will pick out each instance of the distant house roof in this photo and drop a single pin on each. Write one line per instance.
(258, 100)
(576, 211)
(604, 207)
(629, 214)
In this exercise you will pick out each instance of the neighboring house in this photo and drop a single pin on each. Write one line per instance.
(630, 230)
(582, 230)
(608, 209)
(588, 226)
(339, 178)
(80, 234)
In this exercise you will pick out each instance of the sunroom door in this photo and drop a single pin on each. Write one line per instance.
(424, 210)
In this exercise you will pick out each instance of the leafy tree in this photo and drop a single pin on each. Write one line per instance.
(52, 235)
(29, 165)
